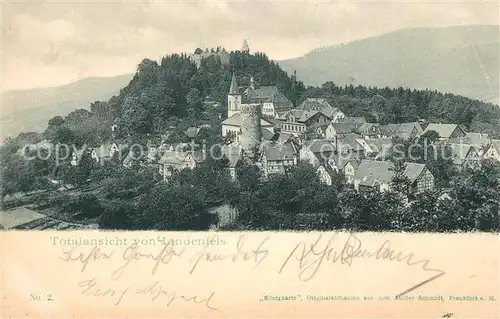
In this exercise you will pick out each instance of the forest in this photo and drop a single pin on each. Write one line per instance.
(169, 96)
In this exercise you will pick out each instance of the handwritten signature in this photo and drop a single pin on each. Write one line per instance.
(311, 257)
(92, 288)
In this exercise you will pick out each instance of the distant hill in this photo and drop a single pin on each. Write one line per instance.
(462, 60)
(29, 110)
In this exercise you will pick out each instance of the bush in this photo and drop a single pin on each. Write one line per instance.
(85, 205)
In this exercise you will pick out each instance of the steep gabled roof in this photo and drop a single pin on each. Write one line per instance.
(192, 132)
(461, 152)
(344, 128)
(267, 134)
(320, 145)
(233, 89)
(318, 104)
(278, 152)
(327, 168)
(403, 130)
(444, 130)
(478, 140)
(235, 120)
(496, 144)
(370, 173)
(341, 160)
(268, 94)
(301, 115)
(173, 157)
(356, 120)
(349, 141)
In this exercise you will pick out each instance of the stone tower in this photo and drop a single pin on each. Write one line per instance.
(233, 98)
(251, 132)
(245, 48)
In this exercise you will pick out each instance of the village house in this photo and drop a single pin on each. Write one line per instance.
(369, 130)
(76, 155)
(316, 152)
(149, 158)
(316, 131)
(378, 174)
(235, 156)
(284, 138)
(273, 101)
(479, 141)
(351, 120)
(107, 151)
(275, 158)
(336, 129)
(321, 105)
(352, 143)
(380, 147)
(346, 164)
(175, 161)
(298, 122)
(493, 151)
(325, 174)
(446, 131)
(192, 132)
(405, 131)
(465, 156)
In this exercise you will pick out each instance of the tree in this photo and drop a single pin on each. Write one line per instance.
(173, 207)
(400, 183)
(56, 121)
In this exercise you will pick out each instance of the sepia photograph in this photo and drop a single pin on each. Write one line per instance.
(245, 125)
(235, 120)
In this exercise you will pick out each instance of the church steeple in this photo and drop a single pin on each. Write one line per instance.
(233, 98)
(233, 89)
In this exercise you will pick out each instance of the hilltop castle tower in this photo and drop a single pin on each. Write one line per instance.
(245, 48)
(251, 131)
(233, 98)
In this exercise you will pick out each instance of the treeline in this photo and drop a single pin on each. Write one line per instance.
(169, 97)
(399, 105)
(133, 199)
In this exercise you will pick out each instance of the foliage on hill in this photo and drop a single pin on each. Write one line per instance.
(169, 93)
(172, 93)
(386, 105)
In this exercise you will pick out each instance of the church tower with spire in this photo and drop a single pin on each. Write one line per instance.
(233, 98)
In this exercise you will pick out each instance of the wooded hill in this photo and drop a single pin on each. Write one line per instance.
(171, 93)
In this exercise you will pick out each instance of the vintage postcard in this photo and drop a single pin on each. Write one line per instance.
(250, 159)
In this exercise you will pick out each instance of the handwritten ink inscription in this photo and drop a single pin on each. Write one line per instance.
(304, 258)
(154, 291)
(311, 258)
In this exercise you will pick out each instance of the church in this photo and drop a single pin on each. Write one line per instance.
(247, 125)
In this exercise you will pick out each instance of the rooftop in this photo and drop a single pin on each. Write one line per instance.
(235, 120)
(371, 172)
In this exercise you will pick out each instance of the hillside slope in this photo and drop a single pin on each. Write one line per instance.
(460, 60)
(29, 110)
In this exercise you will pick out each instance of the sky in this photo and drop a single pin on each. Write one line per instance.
(51, 43)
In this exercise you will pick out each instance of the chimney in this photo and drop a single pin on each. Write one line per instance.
(252, 83)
